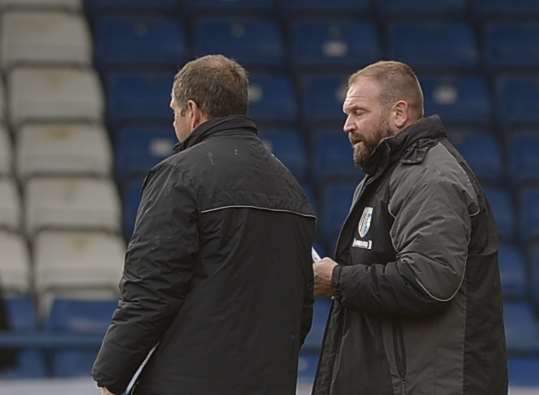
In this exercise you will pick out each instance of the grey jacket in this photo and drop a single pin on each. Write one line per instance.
(418, 307)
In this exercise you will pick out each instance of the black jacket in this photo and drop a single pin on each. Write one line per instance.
(218, 271)
(418, 308)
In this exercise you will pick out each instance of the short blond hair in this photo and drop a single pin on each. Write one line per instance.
(397, 81)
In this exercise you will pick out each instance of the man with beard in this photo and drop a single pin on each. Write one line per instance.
(417, 303)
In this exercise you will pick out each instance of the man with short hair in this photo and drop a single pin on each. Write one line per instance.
(218, 271)
(418, 307)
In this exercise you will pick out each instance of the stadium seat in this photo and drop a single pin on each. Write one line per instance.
(10, 211)
(522, 372)
(512, 44)
(524, 155)
(323, 43)
(250, 41)
(529, 213)
(131, 199)
(5, 152)
(324, 7)
(413, 8)
(2, 101)
(433, 44)
(55, 202)
(44, 37)
(482, 152)
(322, 98)
(272, 98)
(77, 316)
(517, 99)
(505, 8)
(39, 94)
(457, 99)
(335, 204)
(512, 271)
(332, 156)
(120, 40)
(321, 309)
(503, 210)
(78, 263)
(63, 149)
(534, 269)
(226, 6)
(132, 6)
(521, 329)
(15, 264)
(288, 146)
(138, 149)
(64, 5)
(136, 96)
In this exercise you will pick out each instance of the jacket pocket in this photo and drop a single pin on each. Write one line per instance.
(400, 354)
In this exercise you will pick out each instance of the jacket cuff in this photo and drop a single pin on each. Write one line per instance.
(336, 281)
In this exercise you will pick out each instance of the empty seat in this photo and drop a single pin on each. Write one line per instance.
(251, 41)
(77, 263)
(517, 99)
(503, 210)
(433, 44)
(120, 40)
(521, 329)
(10, 211)
(71, 203)
(482, 152)
(522, 372)
(288, 146)
(63, 149)
(2, 101)
(512, 44)
(347, 43)
(457, 99)
(49, 37)
(5, 152)
(307, 365)
(75, 317)
(512, 271)
(524, 155)
(66, 5)
(313, 341)
(332, 156)
(133, 96)
(506, 8)
(324, 7)
(534, 271)
(15, 263)
(51, 94)
(138, 149)
(131, 199)
(226, 6)
(529, 213)
(138, 6)
(322, 98)
(335, 201)
(423, 7)
(272, 98)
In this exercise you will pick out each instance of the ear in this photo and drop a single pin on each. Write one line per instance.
(196, 114)
(400, 115)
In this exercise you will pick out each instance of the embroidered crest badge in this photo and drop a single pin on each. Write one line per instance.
(365, 221)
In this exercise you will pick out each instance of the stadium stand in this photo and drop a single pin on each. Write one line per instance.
(288, 146)
(272, 99)
(42, 5)
(524, 155)
(5, 152)
(15, 264)
(10, 207)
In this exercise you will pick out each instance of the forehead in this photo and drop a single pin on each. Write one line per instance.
(363, 90)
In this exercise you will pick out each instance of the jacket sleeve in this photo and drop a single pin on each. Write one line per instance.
(431, 234)
(156, 278)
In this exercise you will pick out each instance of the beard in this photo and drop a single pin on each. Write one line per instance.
(364, 150)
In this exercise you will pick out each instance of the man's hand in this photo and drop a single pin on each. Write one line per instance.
(323, 270)
(105, 391)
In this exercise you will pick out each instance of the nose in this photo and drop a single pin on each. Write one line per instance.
(348, 125)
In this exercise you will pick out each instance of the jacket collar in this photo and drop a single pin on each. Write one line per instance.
(424, 131)
(216, 125)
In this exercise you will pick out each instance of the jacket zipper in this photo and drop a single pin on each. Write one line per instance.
(400, 354)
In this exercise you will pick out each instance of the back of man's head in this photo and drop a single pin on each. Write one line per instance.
(397, 81)
(217, 84)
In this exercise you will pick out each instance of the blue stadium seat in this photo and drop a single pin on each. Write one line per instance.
(313, 341)
(77, 316)
(333, 156)
(343, 42)
(138, 149)
(423, 7)
(529, 213)
(512, 271)
(226, 6)
(272, 98)
(131, 199)
(307, 365)
(517, 99)
(433, 44)
(505, 7)
(251, 41)
(512, 44)
(140, 40)
(482, 152)
(522, 371)
(457, 99)
(289, 147)
(503, 209)
(131, 6)
(335, 204)
(21, 312)
(136, 96)
(534, 268)
(524, 155)
(521, 327)
(322, 98)
(324, 7)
